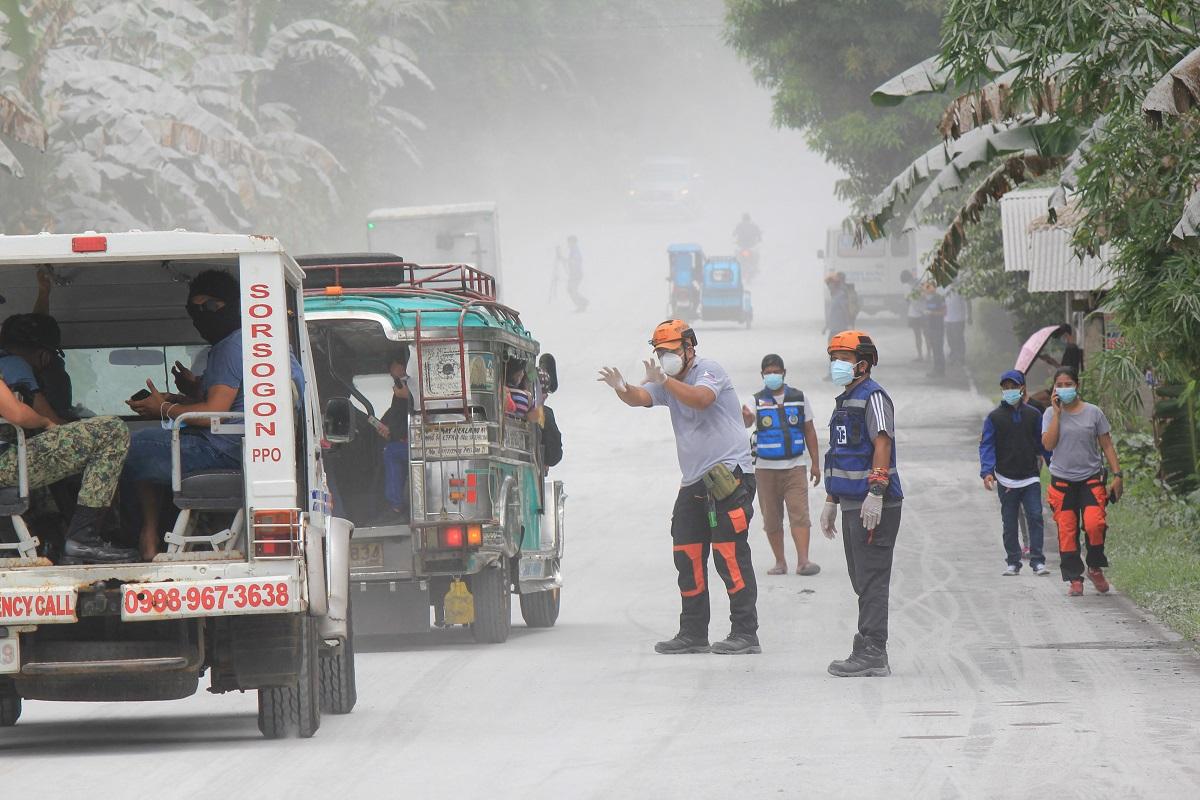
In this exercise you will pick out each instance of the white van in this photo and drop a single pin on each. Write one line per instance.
(253, 586)
(875, 268)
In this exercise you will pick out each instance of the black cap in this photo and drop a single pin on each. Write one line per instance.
(771, 360)
(36, 330)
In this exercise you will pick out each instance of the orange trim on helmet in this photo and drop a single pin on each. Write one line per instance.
(670, 331)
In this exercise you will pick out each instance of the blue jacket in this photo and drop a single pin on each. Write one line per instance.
(1011, 442)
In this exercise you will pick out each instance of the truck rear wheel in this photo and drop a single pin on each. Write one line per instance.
(493, 603)
(540, 609)
(295, 710)
(339, 691)
(10, 703)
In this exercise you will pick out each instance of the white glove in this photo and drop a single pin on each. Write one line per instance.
(612, 376)
(654, 373)
(829, 519)
(872, 510)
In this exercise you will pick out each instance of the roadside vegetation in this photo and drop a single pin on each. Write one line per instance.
(1100, 101)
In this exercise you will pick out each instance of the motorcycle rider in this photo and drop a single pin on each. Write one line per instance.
(861, 477)
(747, 235)
(715, 503)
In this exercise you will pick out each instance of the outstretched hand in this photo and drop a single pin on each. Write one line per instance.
(612, 376)
(654, 372)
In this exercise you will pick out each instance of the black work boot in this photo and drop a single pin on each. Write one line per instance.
(736, 644)
(682, 644)
(866, 660)
(84, 545)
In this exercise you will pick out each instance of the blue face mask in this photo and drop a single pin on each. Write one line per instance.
(841, 373)
(773, 381)
(1066, 394)
(1011, 396)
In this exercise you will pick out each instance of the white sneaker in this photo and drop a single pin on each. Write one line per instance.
(1012, 569)
(1040, 569)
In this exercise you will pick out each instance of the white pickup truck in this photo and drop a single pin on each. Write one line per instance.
(253, 585)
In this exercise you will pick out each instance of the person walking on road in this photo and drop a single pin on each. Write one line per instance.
(916, 313)
(1076, 433)
(1009, 455)
(957, 313)
(716, 501)
(861, 478)
(785, 442)
(935, 328)
(575, 274)
(838, 317)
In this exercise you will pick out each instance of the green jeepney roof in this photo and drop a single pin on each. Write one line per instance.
(399, 309)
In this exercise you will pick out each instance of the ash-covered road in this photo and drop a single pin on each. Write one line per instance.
(1002, 687)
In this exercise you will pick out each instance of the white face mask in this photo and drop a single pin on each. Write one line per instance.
(671, 363)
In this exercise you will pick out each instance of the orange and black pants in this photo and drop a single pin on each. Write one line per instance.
(693, 536)
(1079, 505)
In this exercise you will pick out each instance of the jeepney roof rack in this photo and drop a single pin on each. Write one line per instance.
(387, 273)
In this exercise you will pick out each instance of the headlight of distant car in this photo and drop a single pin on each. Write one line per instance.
(633, 192)
(683, 192)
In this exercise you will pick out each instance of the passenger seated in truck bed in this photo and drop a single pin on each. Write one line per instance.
(214, 307)
(95, 448)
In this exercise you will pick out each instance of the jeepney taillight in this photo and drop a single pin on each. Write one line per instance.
(276, 533)
(456, 536)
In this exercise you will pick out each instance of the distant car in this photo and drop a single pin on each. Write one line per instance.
(665, 187)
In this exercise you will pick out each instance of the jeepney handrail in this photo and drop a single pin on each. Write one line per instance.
(22, 460)
(471, 281)
(498, 310)
(213, 417)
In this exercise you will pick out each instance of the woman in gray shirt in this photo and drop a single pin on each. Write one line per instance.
(1076, 433)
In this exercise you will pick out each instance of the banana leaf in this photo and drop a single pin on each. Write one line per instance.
(932, 77)
(1177, 425)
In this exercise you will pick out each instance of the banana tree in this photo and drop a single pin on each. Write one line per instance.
(1177, 425)
(1177, 93)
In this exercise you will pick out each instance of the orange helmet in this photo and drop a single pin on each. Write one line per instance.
(671, 331)
(856, 342)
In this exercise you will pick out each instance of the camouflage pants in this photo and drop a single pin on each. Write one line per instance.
(95, 447)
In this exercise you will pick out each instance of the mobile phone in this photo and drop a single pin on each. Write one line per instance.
(141, 394)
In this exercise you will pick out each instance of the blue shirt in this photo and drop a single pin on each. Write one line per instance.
(16, 372)
(224, 368)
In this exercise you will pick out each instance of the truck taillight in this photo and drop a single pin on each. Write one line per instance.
(276, 533)
(89, 244)
(455, 536)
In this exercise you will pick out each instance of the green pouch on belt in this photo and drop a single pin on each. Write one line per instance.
(721, 482)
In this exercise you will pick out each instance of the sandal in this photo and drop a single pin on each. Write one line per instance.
(811, 568)
(778, 570)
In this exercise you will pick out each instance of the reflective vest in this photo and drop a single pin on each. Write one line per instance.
(851, 451)
(779, 428)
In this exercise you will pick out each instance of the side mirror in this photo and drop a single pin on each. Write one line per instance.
(547, 364)
(821, 254)
(338, 420)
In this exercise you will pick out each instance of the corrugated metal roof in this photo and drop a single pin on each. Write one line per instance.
(1054, 266)
(1017, 211)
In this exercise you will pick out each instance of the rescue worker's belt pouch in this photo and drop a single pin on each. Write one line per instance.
(721, 482)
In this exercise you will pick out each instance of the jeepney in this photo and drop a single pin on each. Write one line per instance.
(253, 585)
(483, 520)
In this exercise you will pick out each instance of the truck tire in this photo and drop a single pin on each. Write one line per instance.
(493, 603)
(540, 609)
(339, 691)
(295, 710)
(10, 703)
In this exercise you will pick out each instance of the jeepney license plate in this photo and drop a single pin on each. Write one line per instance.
(531, 569)
(178, 599)
(366, 554)
(36, 606)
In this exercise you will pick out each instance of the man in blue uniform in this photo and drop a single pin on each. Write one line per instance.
(716, 501)
(861, 477)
